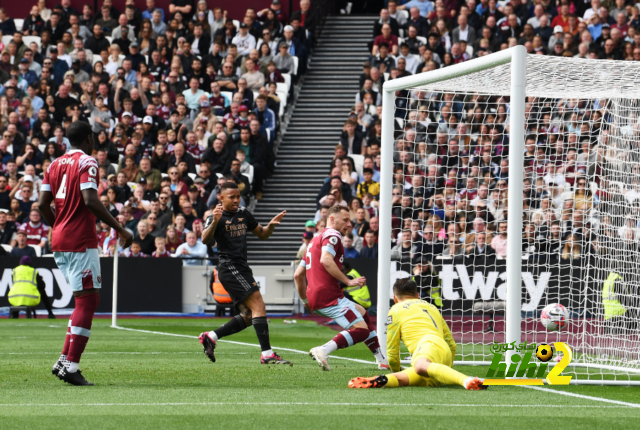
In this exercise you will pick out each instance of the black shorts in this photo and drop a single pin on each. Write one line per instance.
(237, 279)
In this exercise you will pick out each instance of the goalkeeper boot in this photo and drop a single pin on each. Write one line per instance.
(209, 346)
(373, 382)
(473, 383)
(274, 359)
(74, 378)
(321, 357)
(57, 367)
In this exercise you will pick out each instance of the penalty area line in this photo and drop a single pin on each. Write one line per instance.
(340, 404)
(582, 396)
(297, 351)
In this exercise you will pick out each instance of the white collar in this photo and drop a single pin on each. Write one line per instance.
(73, 151)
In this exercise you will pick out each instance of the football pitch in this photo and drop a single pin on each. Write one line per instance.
(159, 378)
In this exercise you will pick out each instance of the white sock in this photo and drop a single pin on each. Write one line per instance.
(267, 353)
(329, 347)
(62, 359)
(213, 336)
(380, 358)
(72, 367)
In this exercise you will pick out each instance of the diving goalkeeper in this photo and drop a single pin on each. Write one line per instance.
(426, 334)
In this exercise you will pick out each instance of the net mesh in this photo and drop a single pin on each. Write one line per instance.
(581, 211)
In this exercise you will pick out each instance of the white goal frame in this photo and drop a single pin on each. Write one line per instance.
(517, 58)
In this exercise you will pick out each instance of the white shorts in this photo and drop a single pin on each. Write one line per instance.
(345, 313)
(80, 269)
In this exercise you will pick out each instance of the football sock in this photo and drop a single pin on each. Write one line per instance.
(261, 326)
(81, 327)
(67, 338)
(392, 382)
(415, 380)
(445, 375)
(346, 338)
(367, 320)
(329, 347)
(72, 367)
(374, 346)
(234, 325)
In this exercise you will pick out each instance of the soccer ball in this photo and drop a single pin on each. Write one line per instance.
(554, 317)
(544, 352)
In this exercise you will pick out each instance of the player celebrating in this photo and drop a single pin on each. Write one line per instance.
(428, 339)
(73, 180)
(229, 225)
(324, 296)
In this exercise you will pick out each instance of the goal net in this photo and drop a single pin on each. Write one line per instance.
(507, 188)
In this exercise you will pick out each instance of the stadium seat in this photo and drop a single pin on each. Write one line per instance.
(146, 59)
(42, 147)
(96, 58)
(282, 87)
(287, 80)
(7, 39)
(197, 169)
(38, 250)
(422, 39)
(132, 185)
(19, 23)
(192, 176)
(358, 160)
(228, 94)
(236, 24)
(110, 39)
(255, 95)
(296, 60)
(400, 123)
(28, 39)
(6, 247)
(268, 134)
(219, 175)
(164, 175)
(250, 174)
(404, 13)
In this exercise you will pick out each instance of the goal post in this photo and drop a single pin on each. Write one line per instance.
(514, 123)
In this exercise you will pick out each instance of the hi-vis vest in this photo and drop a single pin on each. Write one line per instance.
(220, 295)
(434, 294)
(24, 291)
(359, 294)
(612, 307)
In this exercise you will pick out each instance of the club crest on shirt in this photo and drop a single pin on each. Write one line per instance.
(333, 240)
(390, 320)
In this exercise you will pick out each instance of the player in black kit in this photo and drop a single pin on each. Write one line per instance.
(229, 225)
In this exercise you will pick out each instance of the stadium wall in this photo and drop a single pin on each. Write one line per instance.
(145, 285)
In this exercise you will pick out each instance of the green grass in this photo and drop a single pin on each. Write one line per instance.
(148, 380)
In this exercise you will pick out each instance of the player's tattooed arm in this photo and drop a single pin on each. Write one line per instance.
(265, 233)
(211, 224)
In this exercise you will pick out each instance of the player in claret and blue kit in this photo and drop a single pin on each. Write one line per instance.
(322, 268)
(71, 182)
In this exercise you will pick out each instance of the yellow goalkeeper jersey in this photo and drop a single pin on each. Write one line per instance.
(410, 321)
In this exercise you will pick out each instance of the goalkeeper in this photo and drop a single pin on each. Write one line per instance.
(425, 333)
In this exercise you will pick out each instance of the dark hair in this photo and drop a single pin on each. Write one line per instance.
(228, 186)
(136, 242)
(78, 131)
(405, 287)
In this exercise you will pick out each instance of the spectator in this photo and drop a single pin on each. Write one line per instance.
(22, 249)
(192, 251)
(349, 250)
(499, 242)
(371, 248)
(146, 240)
(306, 238)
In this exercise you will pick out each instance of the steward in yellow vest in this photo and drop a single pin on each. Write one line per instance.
(613, 287)
(356, 294)
(28, 287)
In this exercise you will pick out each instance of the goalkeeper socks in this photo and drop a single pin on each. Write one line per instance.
(445, 375)
(234, 325)
(392, 382)
(346, 338)
(415, 380)
(81, 327)
(261, 327)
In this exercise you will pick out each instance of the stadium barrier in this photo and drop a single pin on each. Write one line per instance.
(145, 284)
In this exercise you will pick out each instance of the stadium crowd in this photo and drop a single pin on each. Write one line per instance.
(179, 100)
(451, 168)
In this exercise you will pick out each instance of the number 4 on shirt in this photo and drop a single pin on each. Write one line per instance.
(62, 190)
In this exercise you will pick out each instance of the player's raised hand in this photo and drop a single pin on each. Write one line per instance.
(217, 213)
(125, 239)
(357, 282)
(276, 219)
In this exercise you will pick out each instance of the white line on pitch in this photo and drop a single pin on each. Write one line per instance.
(242, 343)
(582, 396)
(452, 405)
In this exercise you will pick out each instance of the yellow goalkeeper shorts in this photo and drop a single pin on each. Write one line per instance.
(434, 349)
